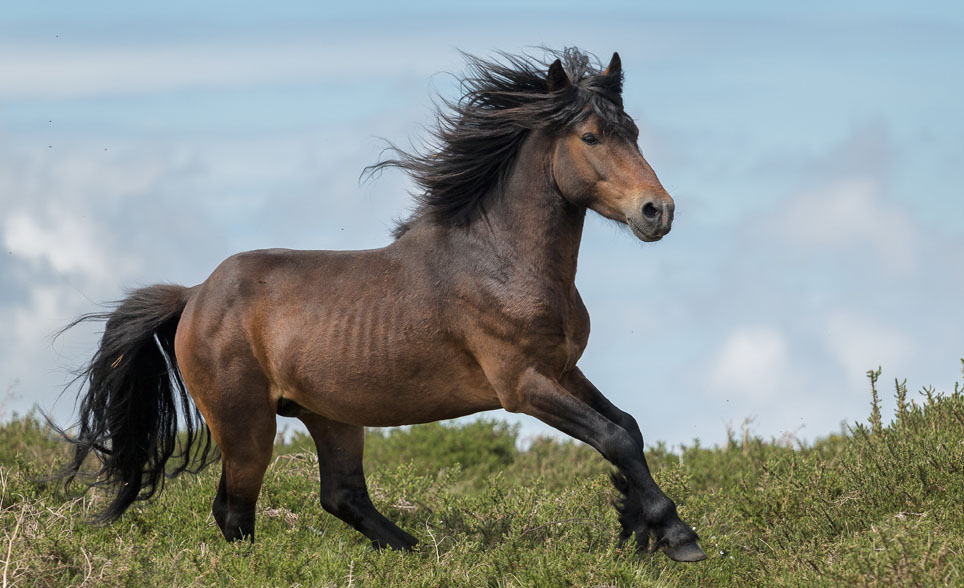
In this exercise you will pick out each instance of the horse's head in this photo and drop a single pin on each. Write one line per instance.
(597, 164)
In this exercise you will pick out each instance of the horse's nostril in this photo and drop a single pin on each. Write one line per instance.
(650, 212)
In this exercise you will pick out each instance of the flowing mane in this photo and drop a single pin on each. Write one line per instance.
(470, 152)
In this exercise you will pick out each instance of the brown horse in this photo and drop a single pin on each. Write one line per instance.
(473, 307)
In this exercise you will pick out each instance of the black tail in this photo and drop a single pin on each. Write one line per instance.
(128, 416)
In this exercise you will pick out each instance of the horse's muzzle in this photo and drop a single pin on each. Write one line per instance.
(654, 220)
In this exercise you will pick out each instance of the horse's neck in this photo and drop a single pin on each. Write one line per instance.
(530, 222)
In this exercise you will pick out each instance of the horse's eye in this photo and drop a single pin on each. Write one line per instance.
(589, 139)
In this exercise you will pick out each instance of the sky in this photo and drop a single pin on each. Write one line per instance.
(814, 152)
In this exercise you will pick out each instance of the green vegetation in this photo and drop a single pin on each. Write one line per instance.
(880, 506)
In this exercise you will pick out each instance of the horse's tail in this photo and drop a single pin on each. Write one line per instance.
(129, 413)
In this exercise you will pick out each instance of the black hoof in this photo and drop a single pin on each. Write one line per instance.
(400, 541)
(685, 552)
(407, 544)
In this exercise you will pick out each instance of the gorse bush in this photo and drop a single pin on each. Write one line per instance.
(878, 506)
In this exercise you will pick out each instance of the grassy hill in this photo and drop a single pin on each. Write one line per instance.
(880, 506)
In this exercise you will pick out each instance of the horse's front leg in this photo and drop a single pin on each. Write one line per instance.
(582, 413)
(631, 508)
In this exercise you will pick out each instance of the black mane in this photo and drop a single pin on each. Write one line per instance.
(475, 140)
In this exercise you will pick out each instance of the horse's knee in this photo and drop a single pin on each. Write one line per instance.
(620, 448)
(629, 424)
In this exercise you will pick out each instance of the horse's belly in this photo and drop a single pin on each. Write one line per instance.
(425, 385)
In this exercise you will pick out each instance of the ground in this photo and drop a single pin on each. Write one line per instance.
(879, 505)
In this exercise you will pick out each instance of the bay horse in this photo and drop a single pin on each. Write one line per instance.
(472, 307)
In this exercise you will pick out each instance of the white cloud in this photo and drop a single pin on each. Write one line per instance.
(850, 212)
(67, 231)
(67, 244)
(272, 56)
(753, 363)
(89, 71)
(48, 310)
(79, 226)
(85, 69)
(860, 343)
(60, 211)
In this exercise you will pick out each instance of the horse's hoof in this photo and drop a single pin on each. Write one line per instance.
(685, 552)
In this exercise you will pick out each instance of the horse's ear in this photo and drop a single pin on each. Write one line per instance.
(558, 79)
(615, 67)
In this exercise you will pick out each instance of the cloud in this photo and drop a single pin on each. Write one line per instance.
(67, 244)
(69, 241)
(95, 70)
(850, 213)
(84, 69)
(80, 225)
(845, 204)
(753, 363)
(66, 216)
(860, 342)
(167, 60)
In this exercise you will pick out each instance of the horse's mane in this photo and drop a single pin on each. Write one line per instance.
(470, 152)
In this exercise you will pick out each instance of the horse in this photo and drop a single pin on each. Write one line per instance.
(472, 307)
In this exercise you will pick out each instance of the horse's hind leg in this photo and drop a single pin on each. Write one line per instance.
(343, 489)
(246, 440)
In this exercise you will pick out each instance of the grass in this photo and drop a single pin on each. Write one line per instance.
(879, 506)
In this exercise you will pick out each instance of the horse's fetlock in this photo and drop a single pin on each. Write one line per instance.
(339, 501)
(662, 510)
(676, 533)
(330, 501)
(236, 526)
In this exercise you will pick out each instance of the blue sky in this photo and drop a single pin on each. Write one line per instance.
(814, 153)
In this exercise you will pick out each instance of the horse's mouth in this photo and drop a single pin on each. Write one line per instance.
(644, 234)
